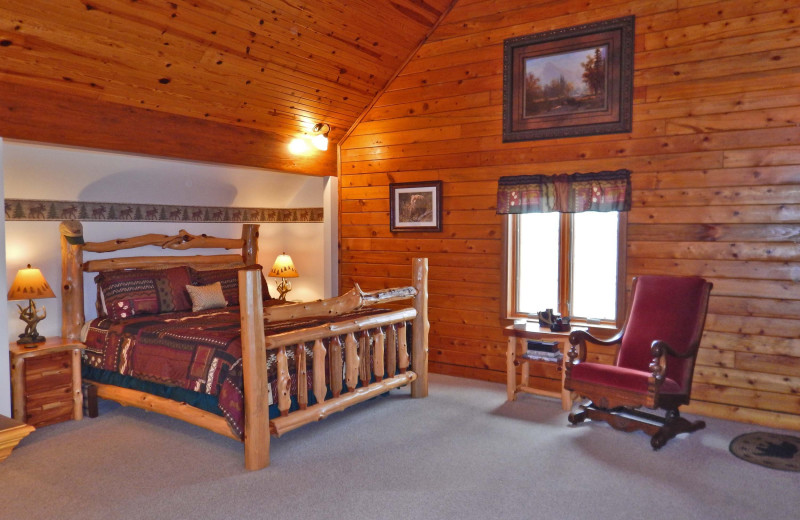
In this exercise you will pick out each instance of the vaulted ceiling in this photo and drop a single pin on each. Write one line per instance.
(231, 81)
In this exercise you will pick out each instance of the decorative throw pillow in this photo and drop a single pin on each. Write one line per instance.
(135, 292)
(229, 279)
(206, 297)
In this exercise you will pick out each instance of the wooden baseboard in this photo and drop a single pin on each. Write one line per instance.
(746, 415)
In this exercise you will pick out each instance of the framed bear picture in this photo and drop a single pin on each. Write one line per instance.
(415, 206)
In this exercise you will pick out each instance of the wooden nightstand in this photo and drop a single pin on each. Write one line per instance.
(517, 338)
(46, 381)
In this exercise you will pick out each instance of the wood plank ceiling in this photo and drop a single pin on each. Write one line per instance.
(230, 81)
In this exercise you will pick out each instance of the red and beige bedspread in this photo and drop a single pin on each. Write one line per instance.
(200, 352)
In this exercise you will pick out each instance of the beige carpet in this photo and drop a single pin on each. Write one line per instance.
(463, 452)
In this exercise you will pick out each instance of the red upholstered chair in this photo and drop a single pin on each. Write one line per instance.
(654, 364)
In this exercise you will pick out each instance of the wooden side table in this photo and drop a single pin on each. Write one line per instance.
(517, 345)
(46, 381)
(11, 432)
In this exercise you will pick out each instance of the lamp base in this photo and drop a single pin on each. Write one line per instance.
(30, 341)
(30, 338)
(283, 287)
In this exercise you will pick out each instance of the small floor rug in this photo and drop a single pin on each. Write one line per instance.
(771, 450)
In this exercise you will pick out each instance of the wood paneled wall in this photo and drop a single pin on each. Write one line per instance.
(715, 156)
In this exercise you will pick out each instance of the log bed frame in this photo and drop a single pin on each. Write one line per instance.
(390, 346)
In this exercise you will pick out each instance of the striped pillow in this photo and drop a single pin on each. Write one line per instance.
(133, 292)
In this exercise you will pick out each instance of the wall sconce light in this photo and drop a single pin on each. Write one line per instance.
(283, 268)
(298, 146)
(320, 141)
(29, 284)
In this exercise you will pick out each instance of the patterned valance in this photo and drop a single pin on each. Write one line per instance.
(601, 191)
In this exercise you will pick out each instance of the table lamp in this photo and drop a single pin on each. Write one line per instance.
(29, 284)
(283, 268)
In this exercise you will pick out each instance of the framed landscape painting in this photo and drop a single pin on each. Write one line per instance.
(569, 82)
(415, 206)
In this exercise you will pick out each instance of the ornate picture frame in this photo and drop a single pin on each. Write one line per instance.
(415, 206)
(569, 82)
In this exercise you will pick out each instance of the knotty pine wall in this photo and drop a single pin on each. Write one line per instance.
(715, 156)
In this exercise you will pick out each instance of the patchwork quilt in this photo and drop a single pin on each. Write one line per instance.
(196, 351)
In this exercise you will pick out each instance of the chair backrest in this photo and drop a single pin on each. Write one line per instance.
(667, 308)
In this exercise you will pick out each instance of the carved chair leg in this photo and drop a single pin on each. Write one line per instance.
(577, 417)
(673, 425)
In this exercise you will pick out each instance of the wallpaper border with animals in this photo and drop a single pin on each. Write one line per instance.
(27, 209)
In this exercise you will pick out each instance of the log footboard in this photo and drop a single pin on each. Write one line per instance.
(373, 346)
(320, 411)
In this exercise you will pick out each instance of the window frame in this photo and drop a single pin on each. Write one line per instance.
(510, 246)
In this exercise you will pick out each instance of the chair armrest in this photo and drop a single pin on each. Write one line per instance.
(578, 339)
(577, 349)
(658, 365)
(658, 348)
(581, 336)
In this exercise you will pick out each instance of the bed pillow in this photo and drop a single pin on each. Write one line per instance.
(205, 297)
(229, 280)
(134, 292)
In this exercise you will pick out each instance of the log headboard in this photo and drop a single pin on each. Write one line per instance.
(73, 266)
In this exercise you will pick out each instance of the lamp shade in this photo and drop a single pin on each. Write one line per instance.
(29, 284)
(320, 142)
(283, 267)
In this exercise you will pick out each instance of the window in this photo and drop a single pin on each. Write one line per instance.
(568, 262)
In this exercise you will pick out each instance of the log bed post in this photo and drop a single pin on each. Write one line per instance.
(72, 315)
(250, 239)
(254, 371)
(421, 326)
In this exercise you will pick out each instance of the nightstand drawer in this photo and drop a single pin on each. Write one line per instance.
(47, 372)
(49, 395)
(49, 407)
